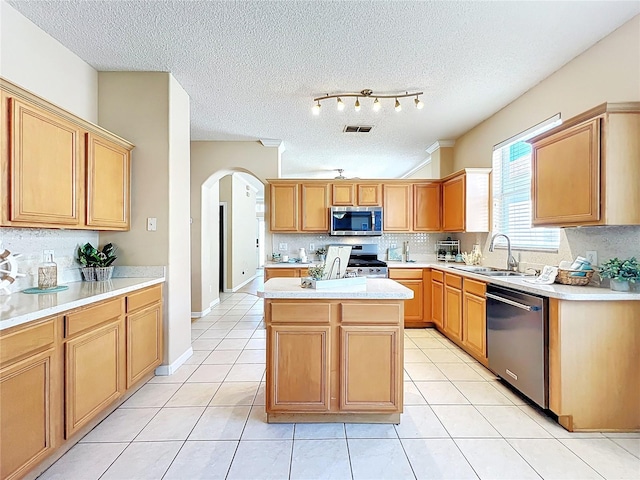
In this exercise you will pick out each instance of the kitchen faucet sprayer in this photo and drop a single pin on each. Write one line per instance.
(512, 263)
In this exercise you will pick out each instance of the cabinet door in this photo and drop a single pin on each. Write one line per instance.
(453, 205)
(437, 303)
(27, 413)
(280, 272)
(414, 308)
(426, 207)
(343, 194)
(94, 373)
(144, 342)
(565, 187)
(453, 312)
(369, 194)
(46, 183)
(371, 368)
(397, 208)
(315, 207)
(300, 365)
(475, 324)
(108, 189)
(283, 211)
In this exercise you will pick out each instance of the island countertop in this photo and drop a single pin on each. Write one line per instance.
(374, 289)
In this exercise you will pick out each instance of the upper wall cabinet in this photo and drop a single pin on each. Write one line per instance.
(345, 193)
(465, 201)
(369, 194)
(426, 207)
(587, 170)
(397, 205)
(57, 170)
(315, 207)
(283, 207)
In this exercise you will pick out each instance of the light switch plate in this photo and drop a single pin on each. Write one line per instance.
(283, 247)
(312, 248)
(152, 224)
(592, 257)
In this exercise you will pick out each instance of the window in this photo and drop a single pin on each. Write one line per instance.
(512, 193)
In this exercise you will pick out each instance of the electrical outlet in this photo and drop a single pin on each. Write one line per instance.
(283, 247)
(152, 224)
(312, 247)
(45, 253)
(592, 257)
(392, 245)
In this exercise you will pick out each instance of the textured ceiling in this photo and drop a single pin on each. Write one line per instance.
(252, 68)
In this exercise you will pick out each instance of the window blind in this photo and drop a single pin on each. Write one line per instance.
(512, 193)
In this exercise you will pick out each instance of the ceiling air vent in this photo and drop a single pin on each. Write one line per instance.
(357, 128)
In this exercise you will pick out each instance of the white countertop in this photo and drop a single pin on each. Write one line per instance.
(19, 308)
(375, 289)
(289, 264)
(556, 290)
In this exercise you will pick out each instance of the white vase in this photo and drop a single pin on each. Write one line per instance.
(619, 285)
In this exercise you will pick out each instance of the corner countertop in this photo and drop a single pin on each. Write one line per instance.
(290, 264)
(374, 289)
(556, 290)
(19, 308)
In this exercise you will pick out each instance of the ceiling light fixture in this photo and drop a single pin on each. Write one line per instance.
(377, 105)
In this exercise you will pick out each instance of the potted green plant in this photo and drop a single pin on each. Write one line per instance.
(96, 264)
(623, 273)
(316, 272)
(321, 253)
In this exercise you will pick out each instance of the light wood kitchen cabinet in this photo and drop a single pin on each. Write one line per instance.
(300, 356)
(31, 399)
(283, 207)
(94, 362)
(586, 171)
(453, 306)
(426, 207)
(315, 207)
(417, 311)
(275, 272)
(593, 364)
(474, 321)
(320, 355)
(366, 349)
(108, 184)
(437, 298)
(144, 333)
(398, 207)
(59, 171)
(369, 194)
(44, 169)
(343, 194)
(465, 201)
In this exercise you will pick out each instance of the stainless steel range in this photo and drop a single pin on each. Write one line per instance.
(364, 261)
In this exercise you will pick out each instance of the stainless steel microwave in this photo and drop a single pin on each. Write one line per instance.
(355, 220)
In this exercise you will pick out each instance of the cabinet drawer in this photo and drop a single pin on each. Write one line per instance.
(405, 273)
(475, 287)
(453, 280)
(437, 276)
(91, 317)
(143, 298)
(300, 313)
(26, 340)
(389, 314)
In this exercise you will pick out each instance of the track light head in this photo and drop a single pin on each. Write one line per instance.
(398, 107)
(356, 105)
(316, 108)
(419, 103)
(340, 104)
(376, 105)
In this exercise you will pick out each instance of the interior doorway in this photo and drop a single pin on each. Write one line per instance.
(222, 241)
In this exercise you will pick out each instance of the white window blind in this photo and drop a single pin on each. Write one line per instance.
(512, 193)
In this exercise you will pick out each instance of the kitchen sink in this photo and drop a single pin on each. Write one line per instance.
(501, 273)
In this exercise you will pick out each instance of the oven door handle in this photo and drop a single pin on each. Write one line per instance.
(528, 308)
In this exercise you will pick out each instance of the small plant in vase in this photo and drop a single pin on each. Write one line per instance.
(316, 272)
(321, 253)
(621, 272)
(96, 264)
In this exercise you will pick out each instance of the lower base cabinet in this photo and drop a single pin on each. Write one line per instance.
(474, 325)
(59, 373)
(278, 272)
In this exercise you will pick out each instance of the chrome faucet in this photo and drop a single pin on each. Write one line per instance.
(512, 263)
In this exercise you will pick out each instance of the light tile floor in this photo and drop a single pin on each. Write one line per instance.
(208, 421)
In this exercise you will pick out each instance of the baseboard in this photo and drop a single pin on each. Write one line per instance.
(164, 370)
(235, 289)
(207, 311)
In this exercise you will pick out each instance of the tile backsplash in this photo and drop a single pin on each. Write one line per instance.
(31, 242)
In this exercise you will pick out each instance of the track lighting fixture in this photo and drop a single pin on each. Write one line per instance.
(377, 105)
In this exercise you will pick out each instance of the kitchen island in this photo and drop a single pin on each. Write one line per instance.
(334, 355)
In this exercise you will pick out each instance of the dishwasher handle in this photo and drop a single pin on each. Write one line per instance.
(528, 308)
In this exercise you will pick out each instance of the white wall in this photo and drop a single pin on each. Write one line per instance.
(210, 161)
(243, 229)
(151, 110)
(34, 60)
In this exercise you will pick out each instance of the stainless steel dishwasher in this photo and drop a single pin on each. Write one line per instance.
(517, 341)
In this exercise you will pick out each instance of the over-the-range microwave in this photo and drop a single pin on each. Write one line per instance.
(355, 220)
